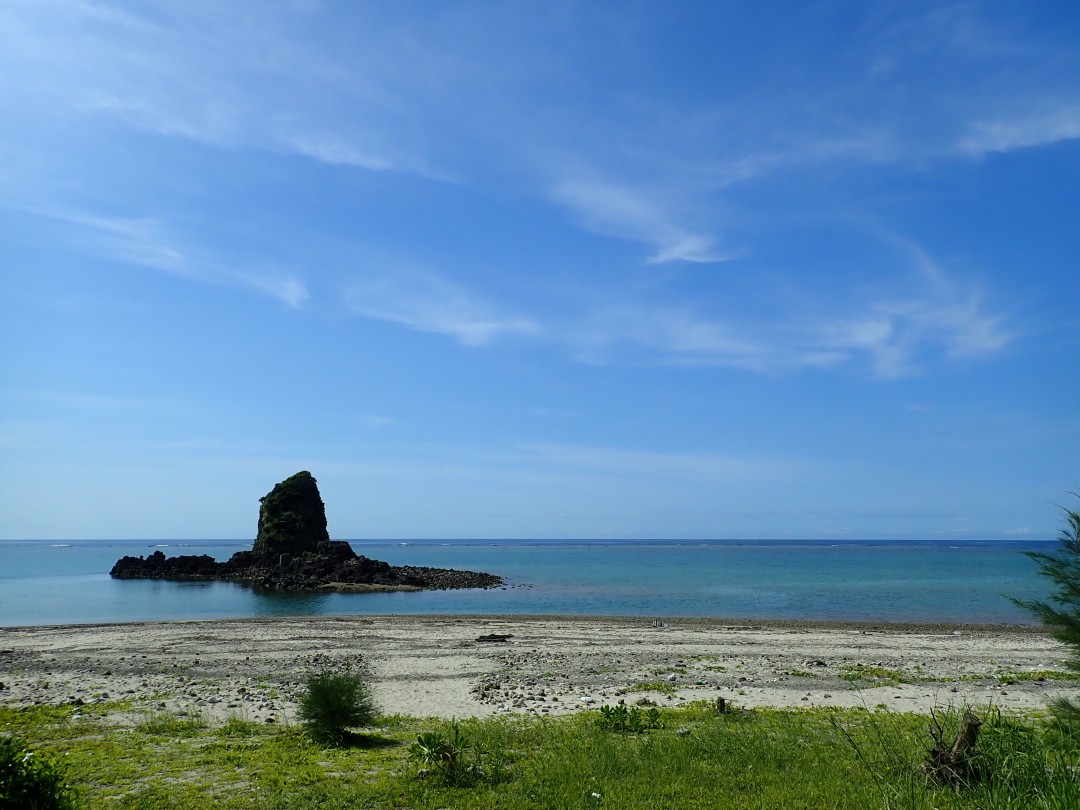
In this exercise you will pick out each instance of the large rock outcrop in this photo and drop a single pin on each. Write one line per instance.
(293, 551)
(292, 520)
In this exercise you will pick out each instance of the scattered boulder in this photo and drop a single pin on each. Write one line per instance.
(293, 552)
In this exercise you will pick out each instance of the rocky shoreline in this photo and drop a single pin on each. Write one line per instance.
(342, 570)
(294, 552)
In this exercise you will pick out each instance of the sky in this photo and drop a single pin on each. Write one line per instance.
(597, 270)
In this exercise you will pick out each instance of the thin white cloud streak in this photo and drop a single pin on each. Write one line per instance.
(147, 242)
(890, 339)
(640, 217)
(269, 76)
(228, 76)
(425, 302)
(1022, 131)
(886, 337)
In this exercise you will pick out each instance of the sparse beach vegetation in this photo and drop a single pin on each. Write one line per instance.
(334, 702)
(835, 758)
(663, 687)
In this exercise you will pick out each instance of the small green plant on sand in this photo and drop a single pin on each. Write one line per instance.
(876, 676)
(620, 718)
(663, 687)
(29, 780)
(445, 755)
(333, 703)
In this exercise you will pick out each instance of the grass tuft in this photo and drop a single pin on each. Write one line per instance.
(335, 702)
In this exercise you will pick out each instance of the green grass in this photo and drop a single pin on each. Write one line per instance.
(1038, 675)
(873, 676)
(818, 758)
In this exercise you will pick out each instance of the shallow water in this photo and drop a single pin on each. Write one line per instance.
(68, 582)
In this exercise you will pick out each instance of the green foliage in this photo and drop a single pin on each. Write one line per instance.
(335, 702)
(292, 518)
(1061, 614)
(446, 755)
(876, 676)
(1018, 763)
(620, 718)
(30, 780)
(167, 724)
(815, 758)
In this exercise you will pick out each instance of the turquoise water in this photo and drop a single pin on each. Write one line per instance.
(68, 582)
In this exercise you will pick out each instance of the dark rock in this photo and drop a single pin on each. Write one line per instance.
(292, 519)
(293, 552)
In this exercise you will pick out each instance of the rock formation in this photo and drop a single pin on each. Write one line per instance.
(294, 552)
(292, 520)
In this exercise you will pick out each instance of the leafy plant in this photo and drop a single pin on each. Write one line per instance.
(621, 718)
(29, 780)
(445, 755)
(335, 702)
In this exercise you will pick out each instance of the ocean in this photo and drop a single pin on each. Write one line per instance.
(67, 582)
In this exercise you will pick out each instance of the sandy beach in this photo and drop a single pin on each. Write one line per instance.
(436, 666)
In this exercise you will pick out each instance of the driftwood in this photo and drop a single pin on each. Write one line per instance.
(954, 763)
(495, 637)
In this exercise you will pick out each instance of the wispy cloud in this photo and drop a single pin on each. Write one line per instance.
(425, 302)
(148, 242)
(625, 213)
(1022, 131)
(235, 76)
(893, 337)
(887, 337)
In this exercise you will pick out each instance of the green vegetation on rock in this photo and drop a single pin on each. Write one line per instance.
(292, 519)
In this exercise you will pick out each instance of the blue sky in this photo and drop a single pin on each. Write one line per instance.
(540, 269)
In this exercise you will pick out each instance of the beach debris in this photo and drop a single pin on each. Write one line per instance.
(659, 624)
(495, 637)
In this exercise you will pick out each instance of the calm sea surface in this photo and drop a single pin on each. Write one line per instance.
(68, 582)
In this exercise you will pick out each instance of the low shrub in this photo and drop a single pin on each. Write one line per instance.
(334, 703)
(31, 781)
